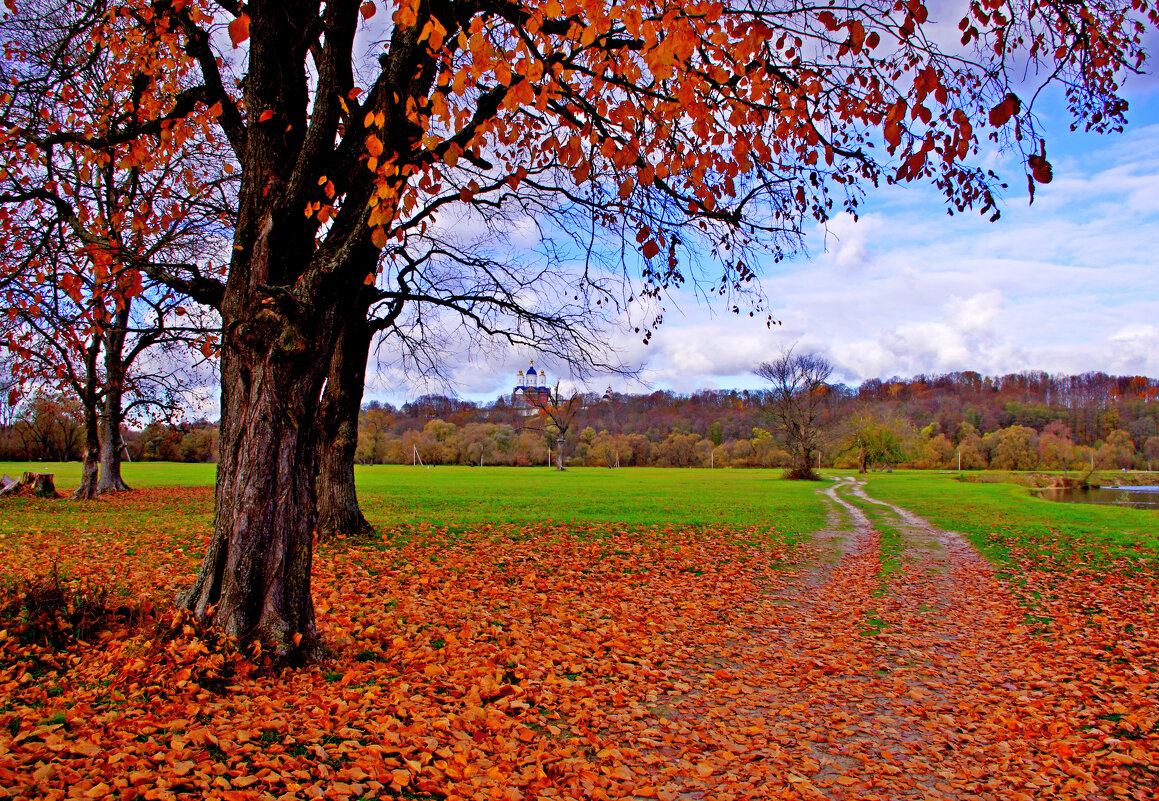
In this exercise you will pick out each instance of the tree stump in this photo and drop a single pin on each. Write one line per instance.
(39, 484)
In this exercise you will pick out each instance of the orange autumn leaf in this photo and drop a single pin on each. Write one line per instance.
(239, 29)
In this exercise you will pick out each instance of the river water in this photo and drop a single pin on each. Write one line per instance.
(1135, 497)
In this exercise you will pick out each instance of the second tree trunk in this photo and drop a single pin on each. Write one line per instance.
(338, 511)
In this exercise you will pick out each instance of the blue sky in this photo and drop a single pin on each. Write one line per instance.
(1066, 285)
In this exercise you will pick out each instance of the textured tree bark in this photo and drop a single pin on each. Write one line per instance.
(283, 299)
(339, 514)
(111, 413)
(254, 581)
(110, 448)
(92, 447)
(91, 464)
(276, 341)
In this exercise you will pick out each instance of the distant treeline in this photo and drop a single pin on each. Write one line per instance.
(1029, 420)
(50, 428)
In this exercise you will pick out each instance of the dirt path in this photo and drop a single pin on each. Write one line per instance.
(867, 674)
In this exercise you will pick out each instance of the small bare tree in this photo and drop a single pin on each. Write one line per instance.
(797, 405)
(556, 414)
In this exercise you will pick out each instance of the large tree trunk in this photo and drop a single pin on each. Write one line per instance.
(254, 581)
(277, 336)
(92, 442)
(111, 448)
(91, 464)
(111, 413)
(282, 302)
(338, 510)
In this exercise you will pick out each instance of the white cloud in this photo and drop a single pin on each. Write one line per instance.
(1135, 349)
(846, 240)
(974, 315)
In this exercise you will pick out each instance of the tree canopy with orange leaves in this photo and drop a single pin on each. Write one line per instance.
(682, 138)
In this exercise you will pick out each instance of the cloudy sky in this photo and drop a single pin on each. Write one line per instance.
(1067, 284)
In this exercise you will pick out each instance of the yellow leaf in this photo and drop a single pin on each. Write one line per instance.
(374, 145)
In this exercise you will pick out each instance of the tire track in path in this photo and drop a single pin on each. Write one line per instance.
(854, 678)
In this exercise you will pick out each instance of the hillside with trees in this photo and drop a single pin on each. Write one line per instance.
(1023, 421)
(1028, 420)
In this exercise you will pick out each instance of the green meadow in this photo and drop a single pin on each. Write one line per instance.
(457, 498)
(995, 516)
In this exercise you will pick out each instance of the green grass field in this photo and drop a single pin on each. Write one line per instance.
(999, 516)
(461, 497)
(139, 474)
(995, 516)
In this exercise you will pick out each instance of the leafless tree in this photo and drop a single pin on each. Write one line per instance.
(555, 414)
(799, 394)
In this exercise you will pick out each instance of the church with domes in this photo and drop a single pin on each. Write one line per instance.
(531, 390)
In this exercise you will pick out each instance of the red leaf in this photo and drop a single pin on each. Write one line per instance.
(1040, 168)
(239, 29)
(1002, 112)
